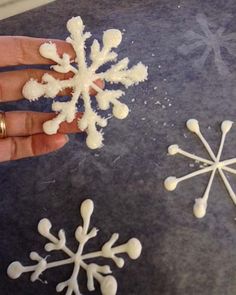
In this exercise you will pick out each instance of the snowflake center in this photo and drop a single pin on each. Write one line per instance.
(214, 41)
(219, 165)
(83, 80)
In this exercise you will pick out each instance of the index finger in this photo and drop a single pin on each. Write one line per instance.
(25, 50)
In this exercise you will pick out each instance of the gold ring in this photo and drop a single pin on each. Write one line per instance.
(3, 125)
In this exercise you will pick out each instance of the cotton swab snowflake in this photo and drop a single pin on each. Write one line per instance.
(213, 165)
(83, 81)
(108, 283)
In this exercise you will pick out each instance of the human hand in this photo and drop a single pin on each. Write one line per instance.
(24, 131)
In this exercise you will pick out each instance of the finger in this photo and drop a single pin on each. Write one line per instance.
(11, 83)
(25, 50)
(28, 123)
(13, 148)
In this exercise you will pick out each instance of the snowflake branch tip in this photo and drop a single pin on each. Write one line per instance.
(83, 81)
(211, 166)
(100, 273)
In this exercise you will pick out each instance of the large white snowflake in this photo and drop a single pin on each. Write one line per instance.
(108, 283)
(212, 165)
(212, 42)
(83, 81)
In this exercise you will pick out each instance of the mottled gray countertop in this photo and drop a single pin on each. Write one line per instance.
(181, 255)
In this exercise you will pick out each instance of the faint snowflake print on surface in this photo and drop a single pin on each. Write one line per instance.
(211, 43)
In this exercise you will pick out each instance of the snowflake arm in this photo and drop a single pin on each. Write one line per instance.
(83, 81)
(186, 49)
(213, 165)
(108, 283)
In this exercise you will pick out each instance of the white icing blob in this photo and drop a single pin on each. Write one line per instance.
(15, 270)
(34, 256)
(44, 227)
(138, 73)
(50, 127)
(60, 287)
(51, 91)
(134, 248)
(109, 286)
(120, 111)
(102, 122)
(103, 102)
(193, 125)
(48, 50)
(171, 183)
(83, 124)
(226, 126)
(112, 38)
(32, 90)
(173, 149)
(199, 208)
(94, 140)
(86, 208)
(74, 24)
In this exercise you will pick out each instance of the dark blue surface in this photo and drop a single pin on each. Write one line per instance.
(181, 255)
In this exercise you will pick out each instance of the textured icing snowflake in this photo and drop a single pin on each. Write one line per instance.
(212, 165)
(212, 42)
(83, 81)
(108, 283)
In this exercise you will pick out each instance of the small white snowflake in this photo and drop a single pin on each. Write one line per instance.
(212, 165)
(212, 42)
(108, 283)
(83, 81)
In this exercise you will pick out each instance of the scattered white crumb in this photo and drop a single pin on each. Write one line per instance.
(164, 124)
(159, 66)
(124, 30)
(157, 102)
(49, 181)
(185, 135)
(191, 165)
(169, 104)
(132, 42)
(178, 6)
(163, 106)
(143, 119)
(145, 102)
(116, 159)
(96, 155)
(133, 99)
(153, 54)
(155, 88)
